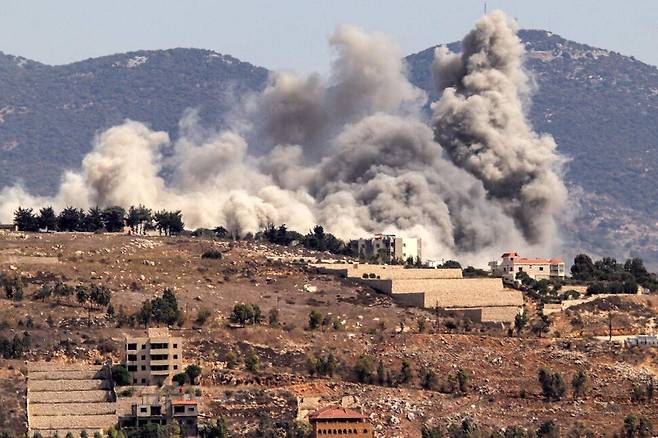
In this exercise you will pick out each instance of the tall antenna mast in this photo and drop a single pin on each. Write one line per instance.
(485, 8)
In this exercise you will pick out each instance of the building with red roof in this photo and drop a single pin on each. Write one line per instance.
(536, 268)
(334, 420)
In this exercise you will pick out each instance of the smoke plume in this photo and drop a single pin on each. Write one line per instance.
(480, 123)
(351, 152)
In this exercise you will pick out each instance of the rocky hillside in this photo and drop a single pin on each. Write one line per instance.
(601, 107)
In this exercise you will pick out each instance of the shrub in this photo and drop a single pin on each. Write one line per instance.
(212, 254)
(252, 362)
(462, 380)
(552, 384)
(429, 379)
(202, 315)
(274, 317)
(231, 360)
(579, 384)
(363, 369)
(246, 314)
(405, 372)
(180, 379)
(634, 426)
(315, 319)
(548, 429)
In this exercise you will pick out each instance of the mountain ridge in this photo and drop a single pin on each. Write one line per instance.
(599, 105)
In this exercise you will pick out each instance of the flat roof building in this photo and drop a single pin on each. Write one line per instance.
(385, 248)
(163, 411)
(155, 358)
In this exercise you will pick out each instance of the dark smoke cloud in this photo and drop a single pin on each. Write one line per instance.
(480, 122)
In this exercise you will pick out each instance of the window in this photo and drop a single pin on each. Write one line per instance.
(143, 380)
(175, 355)
(520, 269)
(132, 346)
(143, 357)
(179, 409)
(143, 347)
(175, 345)
(159, 356)
(541, 268)
(143, 409)
(190, 409)
(175, 367)
(143, 367)
(159, 367)
(132, 357)
(132, 368)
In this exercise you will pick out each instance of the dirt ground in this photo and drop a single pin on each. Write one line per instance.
(503, 388)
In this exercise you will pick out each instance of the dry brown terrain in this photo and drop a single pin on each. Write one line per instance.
(503, 387)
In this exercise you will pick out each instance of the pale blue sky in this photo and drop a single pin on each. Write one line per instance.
(292, 34)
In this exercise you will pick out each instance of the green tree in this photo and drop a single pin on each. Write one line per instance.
(92, 221)
(25, 219)
(47, 219)
(579, 383)
(520, 320)
(180, 378)
(120, 375)
(193, 371)
(114, 219)
(69, 219)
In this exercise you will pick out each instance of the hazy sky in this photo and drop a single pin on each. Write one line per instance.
(292, 34)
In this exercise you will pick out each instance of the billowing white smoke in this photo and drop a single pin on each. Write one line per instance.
(350, 153)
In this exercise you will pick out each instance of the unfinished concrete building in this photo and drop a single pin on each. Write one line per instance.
(63, 398)
(480, 299)
(155, 358)
(153, 409)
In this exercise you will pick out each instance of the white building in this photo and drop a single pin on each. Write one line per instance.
(385, 248)
(538, 269)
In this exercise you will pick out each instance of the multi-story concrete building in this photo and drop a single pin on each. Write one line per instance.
(340, 421)
(538, 269)
(154, 359)
(385, 248)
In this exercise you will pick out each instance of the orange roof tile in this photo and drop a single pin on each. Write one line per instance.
(336, 413)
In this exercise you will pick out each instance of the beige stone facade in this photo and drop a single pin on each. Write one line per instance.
(155, 358)
(481, 299)
(63, 398)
